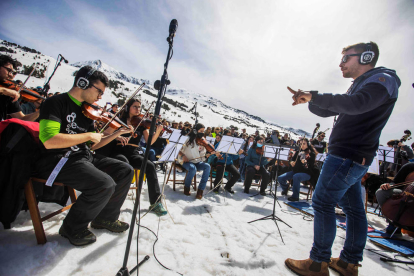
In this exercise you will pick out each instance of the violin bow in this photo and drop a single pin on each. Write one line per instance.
(28, 77)
(122, 107)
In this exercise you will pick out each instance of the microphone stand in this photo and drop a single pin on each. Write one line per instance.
(163, 87)
(46, 87)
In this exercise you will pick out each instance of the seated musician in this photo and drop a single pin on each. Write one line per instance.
(127, 149)
(226, 164)
(386, 191)
(318, 143)
(192, 156)
(302, 164)
(255, 164)
(8, 97)
(103, 182)
(245, 147)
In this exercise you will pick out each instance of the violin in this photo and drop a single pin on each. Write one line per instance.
(260, 150)
(209, 148)
(95, 112)
(141, 120)
(26, 94)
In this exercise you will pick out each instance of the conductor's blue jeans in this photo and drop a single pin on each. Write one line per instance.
(339, 183)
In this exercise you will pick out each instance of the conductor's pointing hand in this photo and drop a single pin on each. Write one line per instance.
(300, 97)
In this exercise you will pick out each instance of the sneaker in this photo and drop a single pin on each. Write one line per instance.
(82, 237)
(113, 226)
(158, 209)
(343, 267)
(293, 198)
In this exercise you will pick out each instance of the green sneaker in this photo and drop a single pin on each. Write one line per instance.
(158, 209)
(82, 237)
(113, 226)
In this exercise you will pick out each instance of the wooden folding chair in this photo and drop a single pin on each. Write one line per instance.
(175, 181)
(34, 210)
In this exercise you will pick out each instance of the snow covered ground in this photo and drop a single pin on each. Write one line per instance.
(208, 237)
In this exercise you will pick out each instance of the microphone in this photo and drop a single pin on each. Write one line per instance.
(173, 28)
(64, 59)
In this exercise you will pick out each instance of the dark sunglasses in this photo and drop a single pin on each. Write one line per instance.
(345, 57)
(99, 90)
(10, 71)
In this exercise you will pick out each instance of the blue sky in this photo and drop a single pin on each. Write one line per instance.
(244, 53)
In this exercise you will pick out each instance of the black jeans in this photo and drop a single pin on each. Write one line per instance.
(235, 175)
(131, 154)
(103, 181)
(250, 172)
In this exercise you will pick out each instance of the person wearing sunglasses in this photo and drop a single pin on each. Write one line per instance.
(318, 143)
(362, 113)
(9, 105)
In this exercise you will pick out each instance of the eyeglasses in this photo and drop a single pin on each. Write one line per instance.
(99, 90)
(10, 71)
(345, 57)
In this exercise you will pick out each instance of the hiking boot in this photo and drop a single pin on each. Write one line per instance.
(293, 198)
(158, 209)
(116, 226)
(229, 189)
(344, 268)
(187, 191)
(81, 237)
(308, 267)
(199, 194)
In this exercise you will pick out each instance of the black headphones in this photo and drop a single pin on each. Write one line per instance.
(195, 131)
(367, 56)
(83, 82)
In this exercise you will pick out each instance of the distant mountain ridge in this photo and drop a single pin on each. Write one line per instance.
(177, 101)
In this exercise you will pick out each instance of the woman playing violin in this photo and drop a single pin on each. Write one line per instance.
(255, 162)
(302, 165)
(193, 156)
(8, 97)
(127, 149)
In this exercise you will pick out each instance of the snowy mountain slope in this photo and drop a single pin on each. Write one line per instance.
(177, 101)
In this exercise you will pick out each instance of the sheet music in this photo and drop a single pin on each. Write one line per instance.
(374, 168)
(170, 152)
(321, 157)
(229, 144)
(271, 151)
(389, 154)
(211, 140)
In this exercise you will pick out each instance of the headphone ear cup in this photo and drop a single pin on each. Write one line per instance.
(126, 108)
(82, 83)
(195, 131)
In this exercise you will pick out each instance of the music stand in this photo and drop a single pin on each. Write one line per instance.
(228, 145)
(171, 150)
(210, 139)
(273, 216)
(387, 155)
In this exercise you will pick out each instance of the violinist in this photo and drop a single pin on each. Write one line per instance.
(8, 97)
(31, 107)
(387, 190)
(127, 149)
(255, 164)
(318, 143)
(104, 182)
(193, 156)
(302, 164)
(226, 164)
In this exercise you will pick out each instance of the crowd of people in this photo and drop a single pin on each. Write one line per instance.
(100, 163)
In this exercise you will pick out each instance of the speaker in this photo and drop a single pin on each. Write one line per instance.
(83, 82)
(367, 56)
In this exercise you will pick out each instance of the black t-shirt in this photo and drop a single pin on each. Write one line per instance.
(139, 132)
(319, 146)
(8, 107)
(62, 109)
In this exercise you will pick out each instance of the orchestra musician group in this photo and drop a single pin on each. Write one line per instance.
(100, 162)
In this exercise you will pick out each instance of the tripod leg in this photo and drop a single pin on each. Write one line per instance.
(280, 234)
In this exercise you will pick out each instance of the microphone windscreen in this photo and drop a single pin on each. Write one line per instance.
(173, 26)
